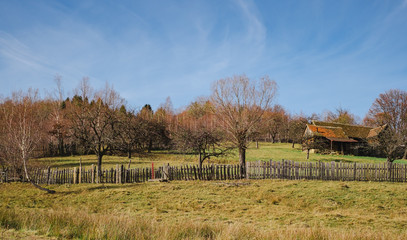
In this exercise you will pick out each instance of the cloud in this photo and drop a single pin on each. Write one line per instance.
(15, 50)
(256, 31)
(149, 52)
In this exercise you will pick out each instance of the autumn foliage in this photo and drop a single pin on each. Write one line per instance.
(240, 110)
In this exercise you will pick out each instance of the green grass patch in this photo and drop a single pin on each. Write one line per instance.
(265, 152)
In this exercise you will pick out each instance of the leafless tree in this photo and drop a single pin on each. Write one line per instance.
(390, 109)
(239, 104)
(340, 115)
(296, 128)
(94, 119)
(24, 122)
(57, 119)
(132, 131)
(274, 122)
(155, 127)
(196, 134)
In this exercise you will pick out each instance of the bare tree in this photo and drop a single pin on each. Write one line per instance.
(84, 90)
(8, 157)
(340, 115)
(57, 119)
(239, 104)
(95, 123)
(24, 121)
(196, 134)
(131, 132)
(296, 128)
(274, 121)
(155, 127)
(390, 109)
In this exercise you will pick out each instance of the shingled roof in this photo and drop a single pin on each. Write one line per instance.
(352, 131)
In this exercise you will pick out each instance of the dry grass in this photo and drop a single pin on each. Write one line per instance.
(263, 209)
(267, 209)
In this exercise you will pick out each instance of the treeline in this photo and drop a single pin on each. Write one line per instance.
(100, 122)
(239, 111)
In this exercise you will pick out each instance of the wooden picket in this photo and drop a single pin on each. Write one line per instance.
(284, 169)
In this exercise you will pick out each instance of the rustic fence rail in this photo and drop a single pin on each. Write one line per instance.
(284, 169)
(339, 171)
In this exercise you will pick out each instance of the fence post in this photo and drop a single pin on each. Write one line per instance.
(122, 173)
(165, 172)
(264, 170)
(247, 169)
(117, 174)
(283, 169)
(74, 175)
(152, 171)
(297, 170)
(48, 175)
(93, 173)
(80, 171)
(389, 171)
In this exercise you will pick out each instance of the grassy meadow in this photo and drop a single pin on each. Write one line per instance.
(241, 209)
(258, 209)
(266, 151)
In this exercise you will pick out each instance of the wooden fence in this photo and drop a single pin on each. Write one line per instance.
(338, 171)
(255, 170)
(120, 174)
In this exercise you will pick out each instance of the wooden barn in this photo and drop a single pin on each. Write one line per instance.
(341, 138)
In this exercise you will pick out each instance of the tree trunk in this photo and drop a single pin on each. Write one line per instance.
(242, 161)
(150, 145)
(405, 154)
(257, 144)
(200, 160)
(99, 167)
(129, 154)
(307, 153)
(293, 144)
(32, 182)
(61, 146)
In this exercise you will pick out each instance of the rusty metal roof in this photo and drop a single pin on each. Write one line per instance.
(335, 134)
(352, 131)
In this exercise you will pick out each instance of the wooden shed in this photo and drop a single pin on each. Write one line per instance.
(341, 138)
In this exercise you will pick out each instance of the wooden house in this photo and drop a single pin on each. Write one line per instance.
(341, 138)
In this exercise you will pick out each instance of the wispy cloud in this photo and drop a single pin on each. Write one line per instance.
(151, 51)
(13, 49)
(256, 31)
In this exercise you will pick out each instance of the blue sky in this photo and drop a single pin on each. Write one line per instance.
(322, 54)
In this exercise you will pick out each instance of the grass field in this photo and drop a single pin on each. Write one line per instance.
(266, 209)
(255, 209)
(266, 151)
